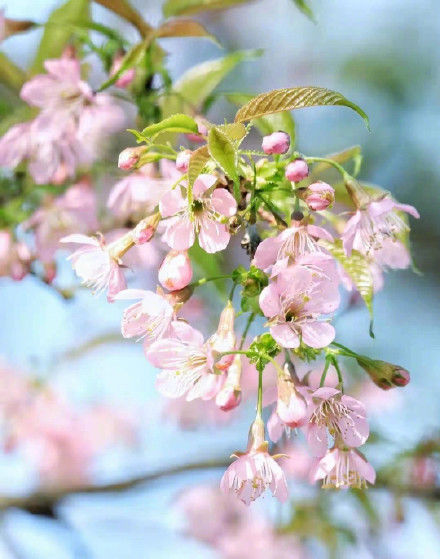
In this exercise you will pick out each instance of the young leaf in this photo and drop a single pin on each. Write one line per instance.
(11, 75)
(269, 123)
(357, 268)
(132, 58)
(304, 7)
(222, 150)
(235, 132)
(294, 98)
(124, 9)
(59, 29)
(178, 123)
(197, 161)
(184, 28)
(185, 7)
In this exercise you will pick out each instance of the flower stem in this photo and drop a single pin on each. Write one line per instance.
(336, 165)
(260, 393)
(246, 330)
(324, 372)
(202, 281)
(338, 370)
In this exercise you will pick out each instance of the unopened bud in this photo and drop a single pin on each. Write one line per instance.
(319, 196)
(291, 405)
(229, 396)
(224, 339)
(385, 375)
(297, 170)
(129, 157)
(145, 229)
(202, 132)
(126, 77)
(276, 143)
(175, 271)
(182, 161)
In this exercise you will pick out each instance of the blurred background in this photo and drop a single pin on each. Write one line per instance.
(385, 56)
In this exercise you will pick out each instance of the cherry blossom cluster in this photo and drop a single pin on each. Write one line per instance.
(301, 256)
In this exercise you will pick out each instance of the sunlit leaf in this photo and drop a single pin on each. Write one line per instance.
(185, 7)
(59, 29)
(357, 267)
(222, 150)
(178, 123)
(235, 132)
(269, 123)
(198, 160)
(184, 28)
(294, 98)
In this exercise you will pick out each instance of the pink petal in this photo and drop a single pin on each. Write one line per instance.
(202, 184)
(270, 300)
(223, 202)
(266, 253)
(213, 236)
(317, 334)
(179, 233)
(172, 202)
(81, 239)
(285, 335)
(317, 439)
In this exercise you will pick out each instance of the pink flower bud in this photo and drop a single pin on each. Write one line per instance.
(224, 338)
(291, 405)
(385, 375)
(145, 229)
(126, 77)
(278, 142)
(175, 271)
(182, 161)
(297, 170)
(401, 377)
(203, 132)
(229, 396)
(129, 157)
(319, 196)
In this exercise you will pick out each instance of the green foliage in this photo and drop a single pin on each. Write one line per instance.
(124, 9)
(223, 151)
(294, 98)
(186, 7)
(184, 28)
(11, 75)
(304, 7)
(261, 348)
(178, 123)
(59, 30)
(131, 59)
(197, 161)
(253, 281)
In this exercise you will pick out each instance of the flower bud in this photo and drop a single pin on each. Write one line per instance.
(129, 157)
(224, 339)
(182, 161)
(385, 375)
(202, 132)
(291, 405)
(126, 77)
(278, 142)
(297, 170)
(178, 298)
(229, 396)
(145, 229)
(318, 196)
(175, 271)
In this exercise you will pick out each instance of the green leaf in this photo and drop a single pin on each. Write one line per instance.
(185, 7)
(184, 28)
(235, 132)
(132, 58)
(357, 267)
(198, 160)
(178, 123)
(223, 151)
(294, 98)
(11, 75)
(304, 7)
(124, 9)
(192, 89)
(269, 123)
(59, 29)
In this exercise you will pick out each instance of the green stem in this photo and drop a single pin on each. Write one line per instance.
(246, 330)
(324, 372)
(260, 393)
(336, 165)
(338, 370)
(202, 281)
(272, 210)
(237, 193)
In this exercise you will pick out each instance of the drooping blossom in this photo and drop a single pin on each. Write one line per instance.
(229, 396)
(95, 264)
(372, 225)
(342, 416)
(149, 319)
(224, 338)
(69, 130)
(186, 363)
(74, 211)
(175, 272)
(276, 143)
(296, 300)
(207, 216)
(275, 253)
(15, 257)
(341, 468)
(255, 470)
(297, 170)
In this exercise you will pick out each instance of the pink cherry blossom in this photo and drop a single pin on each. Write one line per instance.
(254, 471)
(276, 143)
(224, 338)
(319, 196)
(295, 301)
(371, 226)
(206, 217)
(126, 77)
(343, 468)
(297, 170)
(95, 266)
(342, 416)
(175, 271)
(277, 252)
(15, 257)
(186, 363)
(129, 157)
(149, 319)
(182, 160)
(229, 397)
